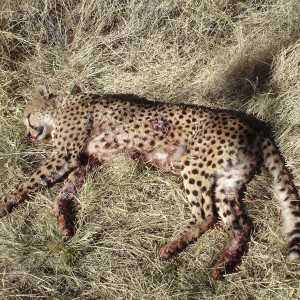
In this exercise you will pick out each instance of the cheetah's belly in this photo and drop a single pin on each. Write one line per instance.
(105, 147)
(167, 157)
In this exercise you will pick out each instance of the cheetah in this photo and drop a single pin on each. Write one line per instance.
(215, 152)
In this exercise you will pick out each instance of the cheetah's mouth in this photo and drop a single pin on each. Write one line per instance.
(39, 130)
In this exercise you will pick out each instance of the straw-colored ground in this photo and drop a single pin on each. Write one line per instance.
(232, 54)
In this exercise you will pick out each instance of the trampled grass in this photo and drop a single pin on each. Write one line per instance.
(243, 55)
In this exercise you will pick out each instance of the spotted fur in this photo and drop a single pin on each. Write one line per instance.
(215, 152)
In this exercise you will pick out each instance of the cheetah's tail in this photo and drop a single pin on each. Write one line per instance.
(288, 196)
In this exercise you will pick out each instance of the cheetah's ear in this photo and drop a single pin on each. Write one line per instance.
(76, 90)
(41, 91)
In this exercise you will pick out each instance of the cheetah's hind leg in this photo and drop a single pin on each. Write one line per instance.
(198, 185)
(230, 183)
(64, 204)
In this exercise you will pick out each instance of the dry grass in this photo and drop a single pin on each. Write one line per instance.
(231, 54)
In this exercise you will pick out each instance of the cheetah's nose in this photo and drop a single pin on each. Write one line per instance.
(30, 136)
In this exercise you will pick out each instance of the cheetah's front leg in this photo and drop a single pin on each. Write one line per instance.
(64, 205)
(46, 175)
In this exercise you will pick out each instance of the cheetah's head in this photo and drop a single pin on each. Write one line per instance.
(39, 114)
